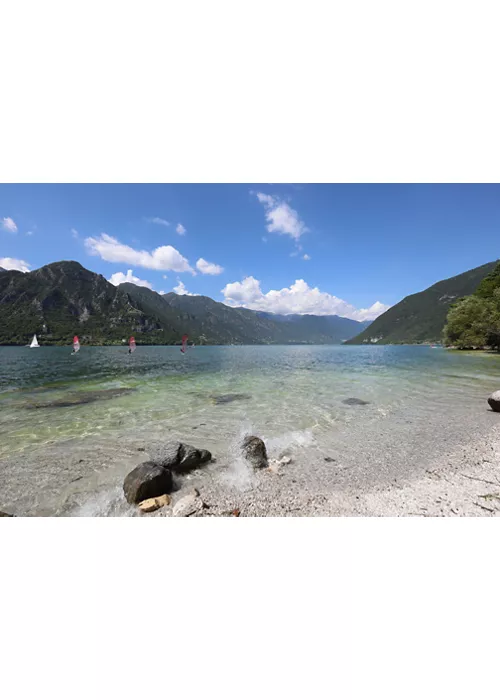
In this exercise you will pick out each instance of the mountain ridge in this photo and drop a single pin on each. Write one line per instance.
(62, 299)
(421, 317)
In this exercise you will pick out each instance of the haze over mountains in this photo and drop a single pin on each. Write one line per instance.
(62, 299)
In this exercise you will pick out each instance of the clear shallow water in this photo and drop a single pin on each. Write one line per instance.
(290, 395)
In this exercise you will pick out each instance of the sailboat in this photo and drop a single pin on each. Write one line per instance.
(76, 345)
(34, 342)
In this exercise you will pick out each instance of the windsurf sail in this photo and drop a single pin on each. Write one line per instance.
(34, 342)
(184, 343)
(76, 344)
(131, 344)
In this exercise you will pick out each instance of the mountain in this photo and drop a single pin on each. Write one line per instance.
(420, 318)
(63, 299)
(212, 322)
(331, 329)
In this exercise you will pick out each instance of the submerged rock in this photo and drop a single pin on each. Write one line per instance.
(228, 398)
(355, 402)
(494, 401)
(148, 480)
(188, 505)
(152, 504)
(254, 451)
(80, 397)
(179, 457)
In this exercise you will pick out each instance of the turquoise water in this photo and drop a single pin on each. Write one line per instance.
(277, 390)
(72, 426)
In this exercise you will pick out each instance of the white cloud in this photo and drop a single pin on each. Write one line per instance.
(264, 239)
(119, 277)
(281, 217)
(181, 289)
(163, 258)
(74, 233)
(29, 233)
(161, 292)
(165, 277)
(8, 224)
(306, 257)
(372, 313)
(208, 268)
(157, 220)
(14, 264)
(180, 229)
(299, 298)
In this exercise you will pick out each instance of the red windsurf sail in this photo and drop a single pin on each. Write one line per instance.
(184, 343)
(76, 344)
(131, 344)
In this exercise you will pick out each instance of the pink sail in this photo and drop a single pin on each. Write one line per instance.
(131, 344)
(76, 344)
(184, 343)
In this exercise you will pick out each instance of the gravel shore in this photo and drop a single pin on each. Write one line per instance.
(438, 465)
(462, 482)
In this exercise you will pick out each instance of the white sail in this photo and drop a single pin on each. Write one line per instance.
(34, 342)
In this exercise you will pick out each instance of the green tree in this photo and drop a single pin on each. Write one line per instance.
(490, 284)
(474, 322)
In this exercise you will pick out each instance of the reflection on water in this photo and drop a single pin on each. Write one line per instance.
(106, 392)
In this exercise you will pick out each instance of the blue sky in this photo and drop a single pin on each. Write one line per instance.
(347, 249)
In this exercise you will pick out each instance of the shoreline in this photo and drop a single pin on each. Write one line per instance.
(461, 482)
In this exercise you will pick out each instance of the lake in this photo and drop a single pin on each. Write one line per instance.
(312, 398)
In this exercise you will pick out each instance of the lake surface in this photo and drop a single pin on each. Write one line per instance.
(290, 395)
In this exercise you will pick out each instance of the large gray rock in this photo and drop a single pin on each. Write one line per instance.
(494, 401)
(254, 451)
(148, 480)
(178, 457)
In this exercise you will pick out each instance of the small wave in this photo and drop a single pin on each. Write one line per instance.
(107, 503)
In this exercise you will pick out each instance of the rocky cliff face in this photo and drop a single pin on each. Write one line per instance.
(63, 299)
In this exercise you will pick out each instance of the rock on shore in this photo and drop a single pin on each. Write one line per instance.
(254, 451)
(494, 401)
(178, 457)
(148, 480)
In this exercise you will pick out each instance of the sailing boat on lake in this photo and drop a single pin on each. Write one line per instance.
(34, 342)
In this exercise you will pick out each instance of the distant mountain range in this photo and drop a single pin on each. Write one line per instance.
(63, 299)
(420, 318)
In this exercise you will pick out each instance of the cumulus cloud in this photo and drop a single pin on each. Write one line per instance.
(208, 268)
(299, 298)
(74, 233)
(8, 224)
(306, 257)
(14, 264)
(119, 277)
(180, 229)
(163, 258)
(281, 217)
(157, 220)
(181, 289)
